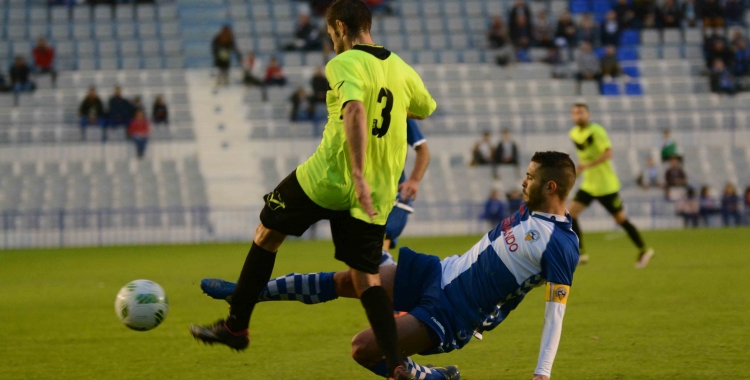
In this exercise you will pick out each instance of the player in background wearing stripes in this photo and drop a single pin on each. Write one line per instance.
(450, 301)
(600, 181)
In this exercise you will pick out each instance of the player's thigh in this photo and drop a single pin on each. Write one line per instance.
(344, 282)
(613, 204)
(413, 338)
(288, 210)
(580, 202)
(358, 244)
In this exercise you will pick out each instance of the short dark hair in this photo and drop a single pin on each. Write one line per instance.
(584, 105)
(353, 13)
(558, 168)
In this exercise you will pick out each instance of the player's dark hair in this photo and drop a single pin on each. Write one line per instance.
(584, 105)
(558, 168)
(353, 13)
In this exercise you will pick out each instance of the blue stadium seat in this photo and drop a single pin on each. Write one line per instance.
(629, 38)
(633, 89)
(632, 71)
(627, 54)
(602, 6)
(610, 89)
(580, 6)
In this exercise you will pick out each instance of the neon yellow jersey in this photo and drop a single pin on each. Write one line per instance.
(387, 87)
(591, 142)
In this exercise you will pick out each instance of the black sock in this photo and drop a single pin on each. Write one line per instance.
(379, 311)
(254, 276)
(634, 235)
(577, 230)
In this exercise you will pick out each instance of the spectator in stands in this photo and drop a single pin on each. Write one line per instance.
(506, 152)
(625, 15)
(668, 146)
(19, 74)
(720, 51)
(494, 209)
(712, 14)
(515, 200)
(482, 152)
(650, 176)
(747, 205)
(734, 12)
(319, 85)
(610, 68)
(689, 14)
(707, 205)
(120, 110)
(521, 36)
(544, 31)
(3, 84)
(274, 74)
(44, 58)
(520, 9)
(138, 104)
(610, 30)
(589, 67)
(139, 132)
(160, 111)
(298, 97)
(306, 35)
(730, 206)
(223, 47)
(91, 112)
(566, 31)
(675, 176)
(498, 38)
(741, 57)
(588, 30)
(722, 81)
(251, 71)
(671, 15)
(646, 13)
(689, 208)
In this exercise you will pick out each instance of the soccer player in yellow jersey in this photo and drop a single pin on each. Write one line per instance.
(600, 182)
(351, 180)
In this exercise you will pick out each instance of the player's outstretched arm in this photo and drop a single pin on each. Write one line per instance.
(557, 299)
(606, 156)
(355, 126)
(410, 187)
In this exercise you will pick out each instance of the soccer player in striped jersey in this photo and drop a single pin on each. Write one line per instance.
(451, 301)
(407, 191)
(600, 181)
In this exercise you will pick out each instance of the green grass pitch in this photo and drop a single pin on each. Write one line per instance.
(684, 317)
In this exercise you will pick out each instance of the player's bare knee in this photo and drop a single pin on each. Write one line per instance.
(344, 285)
(363, 351)
(267, 238)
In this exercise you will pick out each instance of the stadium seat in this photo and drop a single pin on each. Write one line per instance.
(610, 89)
(629, 37)
(580, 6)
(633, 89)
(627, 54)
(631, 71)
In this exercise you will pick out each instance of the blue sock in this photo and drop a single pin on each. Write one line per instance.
(420, 372)
(309, 288)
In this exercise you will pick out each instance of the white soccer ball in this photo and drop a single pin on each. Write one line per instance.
(141, 305)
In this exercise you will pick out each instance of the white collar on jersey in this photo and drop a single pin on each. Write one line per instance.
(559, 218)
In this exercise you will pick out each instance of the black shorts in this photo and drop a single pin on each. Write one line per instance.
(290, 211)
(611, 202)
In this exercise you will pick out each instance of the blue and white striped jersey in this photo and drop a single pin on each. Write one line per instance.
(524, 251)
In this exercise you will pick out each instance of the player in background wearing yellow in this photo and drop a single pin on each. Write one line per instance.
(600, 182)
(351, 180)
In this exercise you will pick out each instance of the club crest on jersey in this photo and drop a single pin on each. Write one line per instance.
(561, 293)
(532, 236)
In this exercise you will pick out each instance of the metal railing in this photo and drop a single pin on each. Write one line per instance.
(178, 225)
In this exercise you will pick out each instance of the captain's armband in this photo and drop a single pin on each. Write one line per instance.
(557, 293)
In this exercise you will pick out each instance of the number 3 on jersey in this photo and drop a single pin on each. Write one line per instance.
(386, 114)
